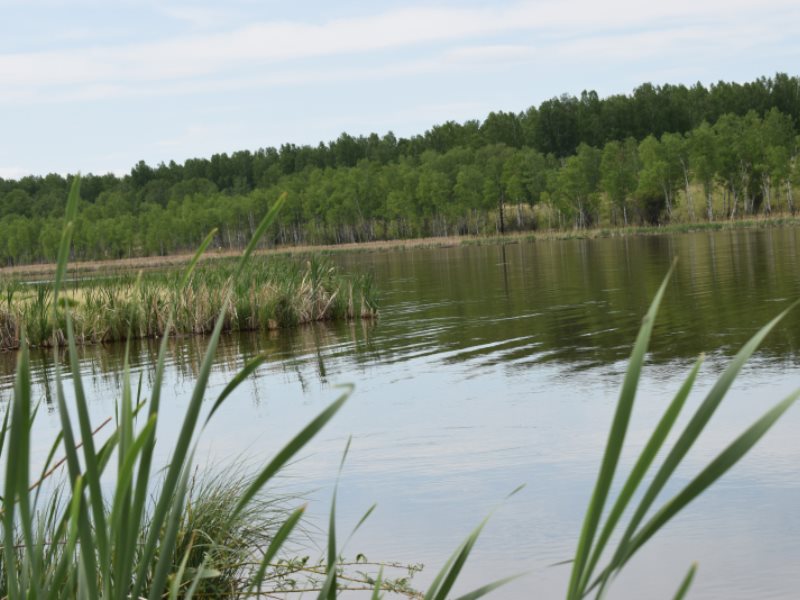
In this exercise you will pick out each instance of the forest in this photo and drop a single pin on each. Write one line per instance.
(660, 154)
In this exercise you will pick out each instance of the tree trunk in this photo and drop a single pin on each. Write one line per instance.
(689, 203)
(667, 202)
(789, 198)
(501, 202)
(725, 210)
(767, 192)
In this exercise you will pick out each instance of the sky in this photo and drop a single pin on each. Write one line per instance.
(96, 86)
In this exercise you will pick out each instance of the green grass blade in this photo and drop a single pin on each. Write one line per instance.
(332, 554)
(176, 504)
(444, 580)
(490, 587)
(344, 455)
(4, 430)
(329, 586)
(20, 453)
(288, 451)
(125, 476)
(361, 521)
(718, 467)
(268, 219)
(246, 371)
(74, 515)
(128, 450)
(376, 591)
(187, 274)
(643, 463)
(137, 513)
(692, 431)
(202, 573)
(93, 472)
(15, 467)
(175, 584)
(280, 537)
(180, 453)
(686, 584)
(43, 474)
(87, 560)
(66, 237)
(614, 444)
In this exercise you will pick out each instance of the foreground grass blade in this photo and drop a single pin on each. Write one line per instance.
(137, 513)
(86, 557)
(488, 588)
(268, 219)
(361, 521)
(446, 577)
(93, 470)
(246, 371)
(15, 465)
(288, 451)
(644, 461)
(616, 438)
(686, 584)
(187, 274)
(275, 545)
(180, 453)
(376, 591)
(729, 457)
(690, 434)
(176, 504)
(330, 587)
(66, 237)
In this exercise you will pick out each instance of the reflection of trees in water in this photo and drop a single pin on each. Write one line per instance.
(290, 350)
(578, 303)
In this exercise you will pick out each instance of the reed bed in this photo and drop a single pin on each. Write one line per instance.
(269, 293)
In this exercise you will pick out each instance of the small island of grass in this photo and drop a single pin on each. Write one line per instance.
(270, 293)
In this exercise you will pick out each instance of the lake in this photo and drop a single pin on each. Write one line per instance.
(495, 366)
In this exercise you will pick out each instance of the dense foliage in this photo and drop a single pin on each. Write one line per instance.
(717, 152)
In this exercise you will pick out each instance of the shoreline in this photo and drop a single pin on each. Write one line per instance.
(175, 260)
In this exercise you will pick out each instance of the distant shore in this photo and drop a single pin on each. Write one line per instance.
(172, 260)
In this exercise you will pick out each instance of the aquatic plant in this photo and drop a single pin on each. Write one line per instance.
(268, 293)
(594, 539)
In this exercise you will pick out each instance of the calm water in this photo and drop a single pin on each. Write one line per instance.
(496, 366)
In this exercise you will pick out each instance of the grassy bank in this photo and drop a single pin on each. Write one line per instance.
(269, 293)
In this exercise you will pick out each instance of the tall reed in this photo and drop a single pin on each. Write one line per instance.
(268, 293)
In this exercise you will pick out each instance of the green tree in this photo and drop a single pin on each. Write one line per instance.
(578, 183)
(619, 168)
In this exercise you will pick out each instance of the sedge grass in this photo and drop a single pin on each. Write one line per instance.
(140, 541)
(267, 294)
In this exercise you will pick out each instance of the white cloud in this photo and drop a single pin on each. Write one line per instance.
(580, 29)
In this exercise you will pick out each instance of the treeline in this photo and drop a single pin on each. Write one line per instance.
(717, 152)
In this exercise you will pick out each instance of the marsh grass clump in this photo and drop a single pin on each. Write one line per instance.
(268, 293)
(214, 536)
